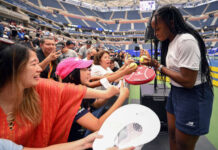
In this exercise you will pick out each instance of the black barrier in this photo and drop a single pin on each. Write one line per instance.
(155, 100)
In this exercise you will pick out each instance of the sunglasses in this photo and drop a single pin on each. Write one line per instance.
(87, 69)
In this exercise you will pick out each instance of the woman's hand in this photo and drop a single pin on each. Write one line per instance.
(128, 61)
(129, 70)
(88, 141)
(124, 91)
(151, 62)
(116, 148)
(81, 144)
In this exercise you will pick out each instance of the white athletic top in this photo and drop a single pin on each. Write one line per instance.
(184, 52)
(98, 70)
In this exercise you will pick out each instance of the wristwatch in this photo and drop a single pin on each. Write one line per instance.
(160, 67)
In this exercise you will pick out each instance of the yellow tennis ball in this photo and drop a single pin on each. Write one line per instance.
(142, 58)
(134, 65)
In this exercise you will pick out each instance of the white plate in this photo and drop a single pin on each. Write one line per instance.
(130, 125)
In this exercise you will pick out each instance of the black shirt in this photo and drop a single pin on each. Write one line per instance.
(77, 131)
(115, 69)
(45, 73)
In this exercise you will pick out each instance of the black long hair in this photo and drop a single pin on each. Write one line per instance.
(73, 77)
(12, 59)
(171, 15)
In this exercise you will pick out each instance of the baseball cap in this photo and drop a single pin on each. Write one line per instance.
(66, 66)
(5, 42)
(26, 36)
(70, 42)
(129, 125)
(88, 42)
(81, 43)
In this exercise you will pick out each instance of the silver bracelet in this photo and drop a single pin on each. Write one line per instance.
(160, 67)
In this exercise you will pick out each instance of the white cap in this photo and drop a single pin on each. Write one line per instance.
(130, 125)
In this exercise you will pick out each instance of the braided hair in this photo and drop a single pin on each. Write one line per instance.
(177, 25)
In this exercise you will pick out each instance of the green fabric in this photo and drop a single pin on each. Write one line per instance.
(213, 133)
(134, 92)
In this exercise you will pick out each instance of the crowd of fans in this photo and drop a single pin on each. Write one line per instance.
(68, 61)
(54, 90)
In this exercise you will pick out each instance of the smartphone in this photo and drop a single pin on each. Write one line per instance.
(137, 48)
(59, 46)
(137, 62)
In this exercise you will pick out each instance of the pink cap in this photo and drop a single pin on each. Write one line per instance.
(66, 66)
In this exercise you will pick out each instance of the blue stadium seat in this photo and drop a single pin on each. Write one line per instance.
(119, 15)
(93, 24)
(107, 15)
(216, 45)
(35, 2)
(196, 10)
(112, 27)
(88, 12)
(146, 14)
(105, 26)
(139, 26)
(123, 47)
(208, 22)
(212, 7)
(125, 27)
(133, 15)
(61, 19)
(183, 12)
(76, 21)
(51, 3)
(99, 14)
(72, 9)
(196, 23)
(146, 46)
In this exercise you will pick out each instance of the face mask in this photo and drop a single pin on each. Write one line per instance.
(92, 57)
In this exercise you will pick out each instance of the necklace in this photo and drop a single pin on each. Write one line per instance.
(10, 120)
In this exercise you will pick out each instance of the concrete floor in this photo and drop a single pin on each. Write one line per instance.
(161, 142)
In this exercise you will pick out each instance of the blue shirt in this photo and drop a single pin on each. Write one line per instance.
(21, 35)
(9, 145)
(1, 30)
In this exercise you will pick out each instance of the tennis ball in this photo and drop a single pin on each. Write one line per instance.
(142, 58)
(134, 65)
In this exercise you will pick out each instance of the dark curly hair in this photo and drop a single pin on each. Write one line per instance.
(98, 56)
(171, 15)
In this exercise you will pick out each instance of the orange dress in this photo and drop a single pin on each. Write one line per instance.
(60, 103)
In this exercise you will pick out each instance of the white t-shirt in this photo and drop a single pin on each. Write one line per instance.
(98, 70)
(184, 52)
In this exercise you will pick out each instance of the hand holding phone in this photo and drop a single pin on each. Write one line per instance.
(59, 46)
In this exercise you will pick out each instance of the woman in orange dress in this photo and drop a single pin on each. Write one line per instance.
(37, 112)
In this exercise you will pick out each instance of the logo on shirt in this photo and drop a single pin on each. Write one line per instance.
(190, 124)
